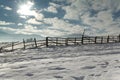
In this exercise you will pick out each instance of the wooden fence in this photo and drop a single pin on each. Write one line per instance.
(23, 45)
(58, 41)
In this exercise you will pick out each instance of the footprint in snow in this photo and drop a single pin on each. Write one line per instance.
(117, 61)
(58, 76)
(117, 66)
(89, 67)
(79, 78)
(29, 74)
(57, 68)
(95, 75)
(104, 65)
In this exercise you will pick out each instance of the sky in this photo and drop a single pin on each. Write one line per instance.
(58, 18)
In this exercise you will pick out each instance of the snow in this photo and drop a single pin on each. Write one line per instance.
(85, 62)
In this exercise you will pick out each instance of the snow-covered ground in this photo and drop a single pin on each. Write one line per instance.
(86, 62)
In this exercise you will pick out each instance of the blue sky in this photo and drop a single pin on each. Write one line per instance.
(40, 18)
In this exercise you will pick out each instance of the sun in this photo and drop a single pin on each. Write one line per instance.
(25, 9)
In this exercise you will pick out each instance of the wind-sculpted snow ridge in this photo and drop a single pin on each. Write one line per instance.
(86, 62)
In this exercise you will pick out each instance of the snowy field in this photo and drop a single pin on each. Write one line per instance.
(86, 62)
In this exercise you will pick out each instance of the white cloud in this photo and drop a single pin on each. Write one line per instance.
(25, 11)
(96, 14)
(54, 5)
(39, 16)
(51, 9)
(5, 23)
(71, 13)
(102, 20)
(8, 8)
(59, 27)
(52, 33)
(75, 10)
(24, 17)
(33, 21)
(29, 30)
(8, 29)
(19, 24)
(60, 24)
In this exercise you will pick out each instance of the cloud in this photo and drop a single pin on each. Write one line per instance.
(34, 13)
(26, 30)
(26, 11)
(59, 27)
(71, 13)
(51, 9)
(74, 10)
(64, 26)
(97, 14)
(98, 17)
(54, 4)
(6, 7)
(19, 24)
(33, 21)
(39, 16)
(5, 23)
(30, 30)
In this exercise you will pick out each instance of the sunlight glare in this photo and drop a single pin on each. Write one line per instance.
(25, 9)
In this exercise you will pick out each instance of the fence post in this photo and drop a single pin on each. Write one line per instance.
(35, 42)
(23, 44)
(95, 39)
(12, 46)
(101, 40)
(119, 38)
(56, 41)
(82, 40)
(1, 49)
(47, 42)
(66, 41)
(108, 39)
(89, 40)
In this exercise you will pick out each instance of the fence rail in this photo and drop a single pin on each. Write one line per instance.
(58, 41)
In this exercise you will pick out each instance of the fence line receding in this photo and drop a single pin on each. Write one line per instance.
(58, 41)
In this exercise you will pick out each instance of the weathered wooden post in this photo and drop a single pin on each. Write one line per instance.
(89, 40)
(119, 38)
(35, 43)
(66, 41)
(24, 44)
(1, 49)
(108, 39)
(12, 46)
(47, 42)
(101, 40)
(95, 39)
(82, 40)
